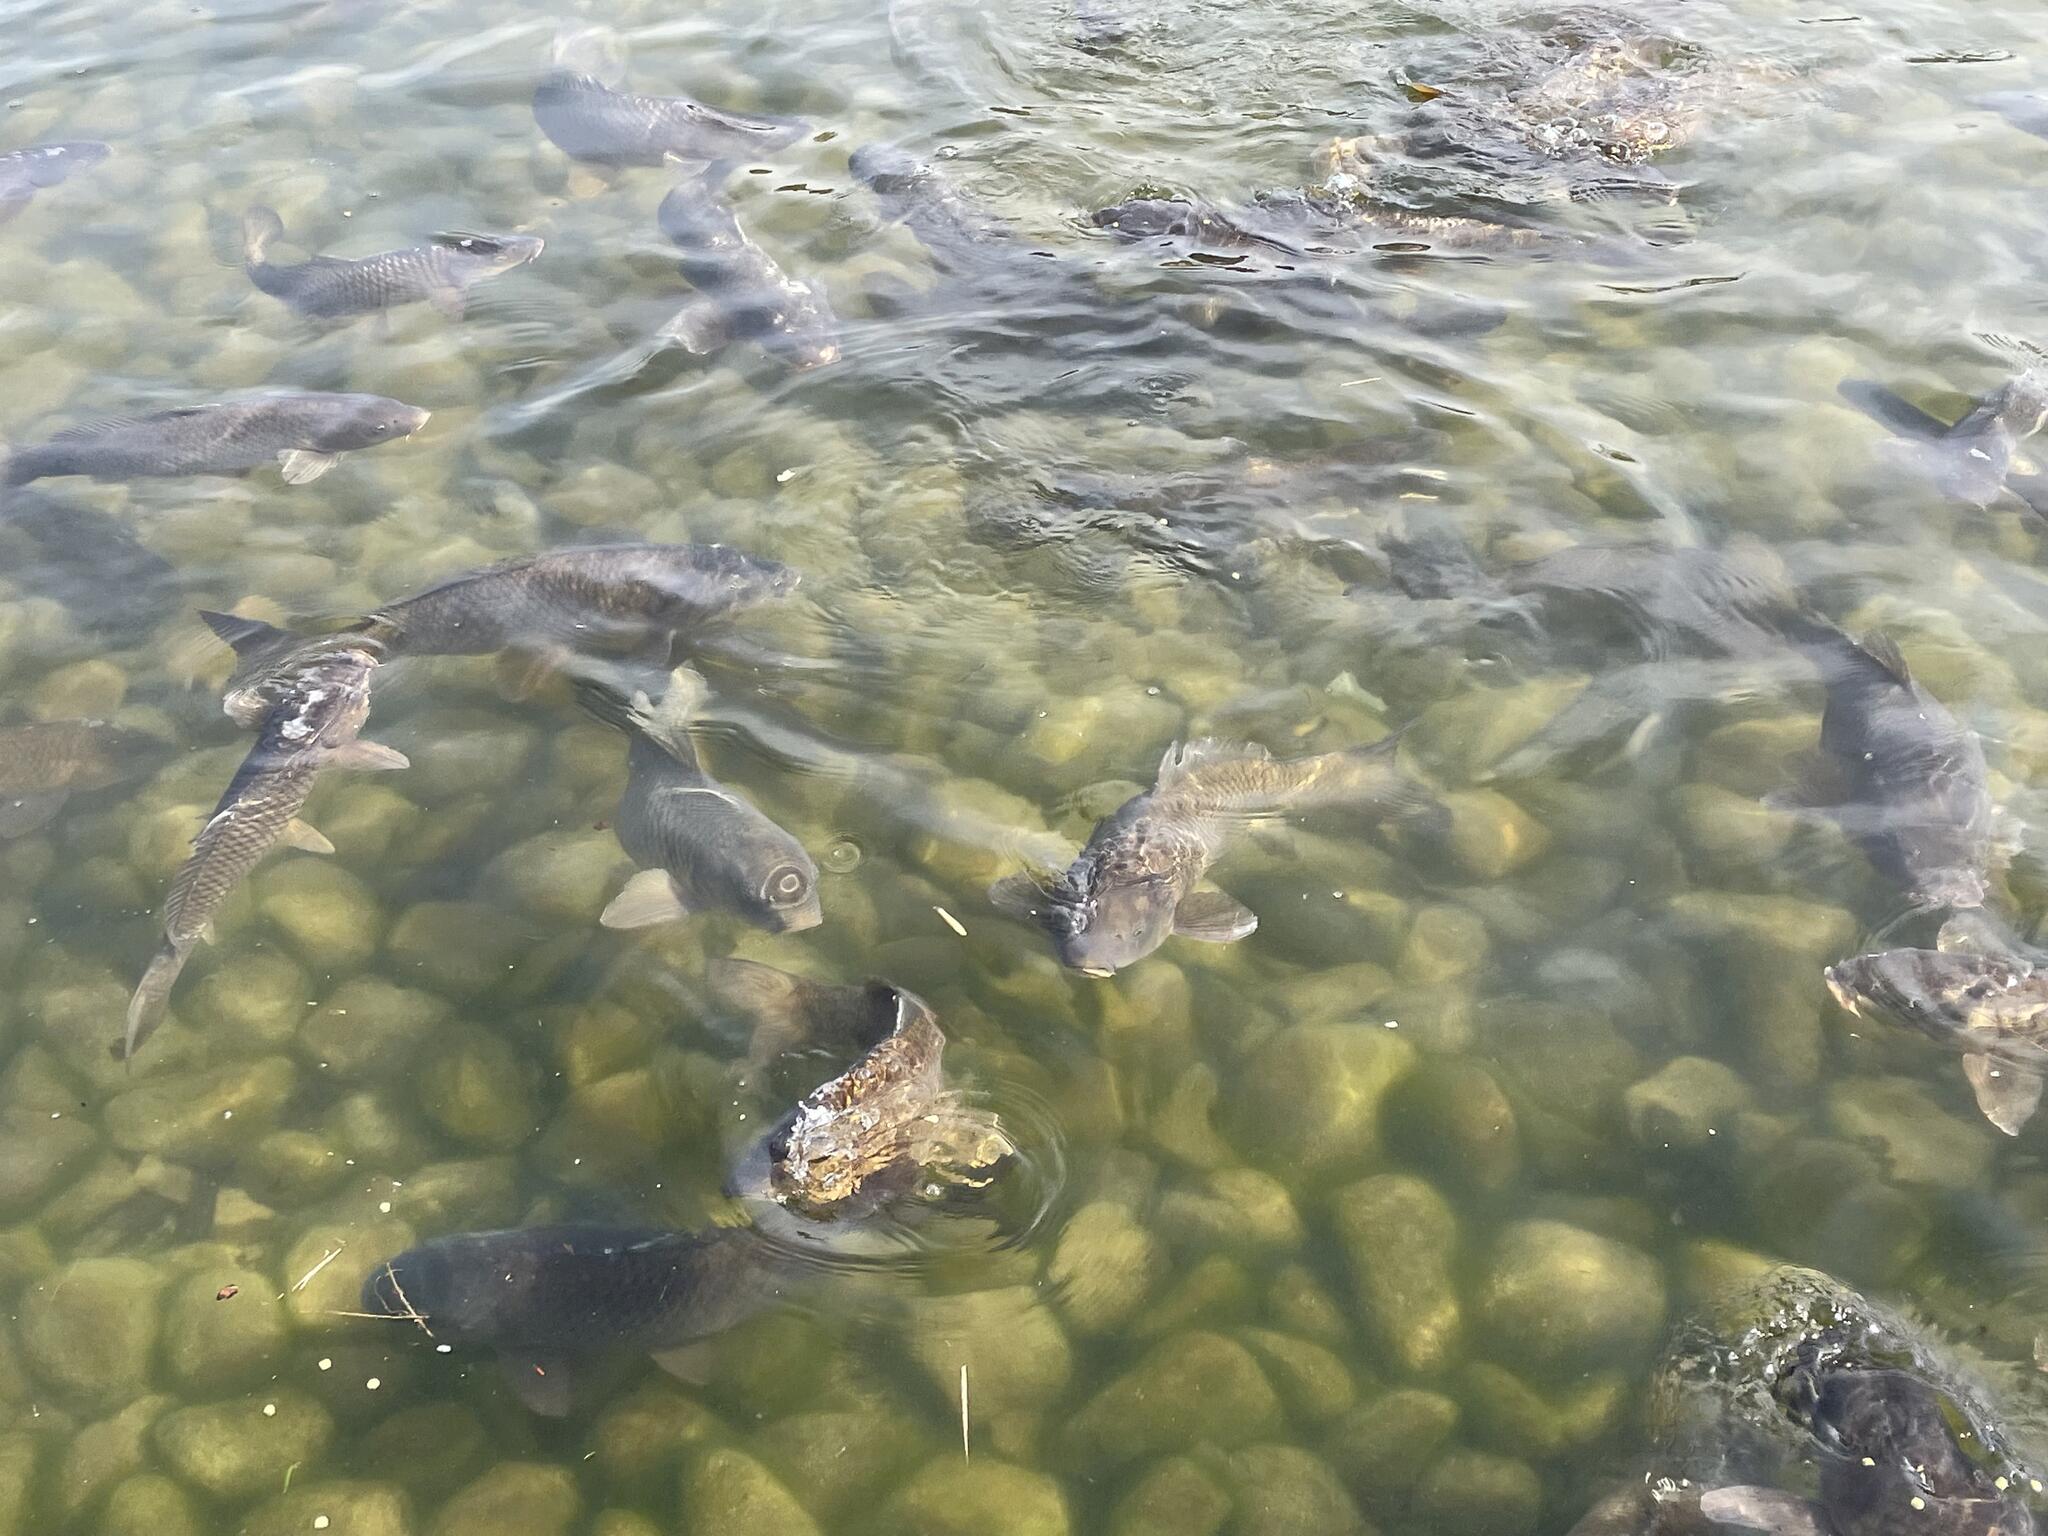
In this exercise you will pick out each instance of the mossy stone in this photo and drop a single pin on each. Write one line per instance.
(39, 1153)
(1313, 1383)
(735, 1495)
(233, 1450)
(1188, 1389)
(19, 1455)
(212, 1345)
(1400, 1240)
(530, 1498)
(1688, 1106)
(90, 1330)
(1176, 1497)
(1103, 1267)
(1921, 1143)
(192, 1116)
(102, 1454)
(149, 1505)
(1311, 1095)
(1283, 1490)
(367, 1028)
(477, 1089)
(438, 1446)
(349, 1508)
(1504, 1413)
(1238, 1210)
(1452, 1117)
(1009, 1342)
(328, 917)
(1479, 1495)
(1561, 1300)
(983, 1497)
(842, 1461)
(1381, 1446)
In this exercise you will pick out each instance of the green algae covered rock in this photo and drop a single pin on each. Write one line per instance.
(1689, 1105)
(349, 1508)
(1313, 1383)
(1381, 1446)
(1504, 1413)
(18, 1459)
(328, 917)
(1104, 1266)
(212, 1345)
(89, 1330)
(735, 1495)
(436, 1447)
(1561, 1300)
(1010, 1343)
(1400, 1240)
(1452, 1117)
(1309, 1102)
(235, 1449)
(149, 1506)
(840, 1461)
(1920, 1143)
(1175, 1498)
(1476, 1494)
(1283, 1490)
(514, 1498)
(982, 1497)
(479, 1090)
(102, 1454)
(1190, 1388)
(1238, 1210)
(368, 1028)
(187, 1116)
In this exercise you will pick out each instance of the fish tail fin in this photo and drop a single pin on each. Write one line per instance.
(669, 718)
(607, 705)
(244, 635)
(152, 999)
(260, 226)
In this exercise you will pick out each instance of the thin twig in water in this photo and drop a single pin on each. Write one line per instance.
(406, 1302)
(966, 1446)
(307, 1278)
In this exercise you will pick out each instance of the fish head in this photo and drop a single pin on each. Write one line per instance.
(1144, 218)
(488, 255)
(1888, 1447)
(421, 1283)
(352, 422)
(1941, 994)
(2023, 402)
(1115, 924)
(886, 169)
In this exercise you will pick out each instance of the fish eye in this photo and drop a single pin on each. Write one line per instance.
(786, 885)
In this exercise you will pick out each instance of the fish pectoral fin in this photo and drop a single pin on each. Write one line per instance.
(1022, 895)
(690, 1363)
(700, 328)
(648, 898)
(1762, 1509)
(304, 837)
(450, 301)
(1891, 410)
(243, 635)
(23, 814)
(367, 757)
(2008, 1095)
(544, 1383)
(1212, 917)
(302, 466)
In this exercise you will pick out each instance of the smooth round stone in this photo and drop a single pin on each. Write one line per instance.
(236, 1449)
(1479, 1495)
(735, 1495)
(515, 1498)
(90, 1330)
(983, 1497)
(1561, 1300)
(1188, 1389)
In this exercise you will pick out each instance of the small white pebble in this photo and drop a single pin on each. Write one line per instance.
(373, 1383)
(443, 1349)
(227, 1114)
(320, 1521)
(326, 1365)
(384, 1207)
(1393, 1024)
(270, 1410)
(1918, 1502)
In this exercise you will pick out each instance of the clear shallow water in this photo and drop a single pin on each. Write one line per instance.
(1376, 1216)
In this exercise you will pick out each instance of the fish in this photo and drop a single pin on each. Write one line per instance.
(1890, 1465)
(742, 293)
(588, 119)
(25, 172)
(791, 1013)
(1704, 601)
(957, 232)
(303, 433)
(1901, 775)
(1650, 1507)
(550, 1299)
(1152, 218)
(316, 708)
(1991, 1008)
(1973, 460)
(600, 597)
(441, 272)
(700, 847)
(46, 762)
(266, 658)
(1137, 882)
(863, 1139)
(2025, 110)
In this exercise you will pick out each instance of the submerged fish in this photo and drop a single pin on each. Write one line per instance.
(44, 763)
(1992, 1009)
(24, 172)
(1971, 460)
(700, 847)
(914, 194)
(2027, 110)
(549, 1299)
(1890, 1465)
(791, 1013)
(1136, 883)
(305, 434)
(612, 597)
(871, 1133)
(742, 294)
(588, 119)
(1706, 601)
(316, 707)
(1901, 775)
(440, 272)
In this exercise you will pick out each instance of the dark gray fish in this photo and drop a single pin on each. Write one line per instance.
(869, 1135)
(24, 172)
(315, 708)
(1100, 25)
(790, 1013)
(1971, 460)
(700, 847)
(957, 232)
(1903, 777)
(1705, 601)
(2025, 110)
(441, 272)
(550, 1299)
(304, 434)
(609, 597)
(588, 119)
(1137, 881)
(1180, 218)
(266, 660)
(1992, 1009)
(43, 764)
(742, 293)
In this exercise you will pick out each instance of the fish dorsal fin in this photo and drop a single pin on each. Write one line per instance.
(100, 428)
(1185, 758)
(1026, 894)
(1884, 650)
(911, 1009)
(245, 635)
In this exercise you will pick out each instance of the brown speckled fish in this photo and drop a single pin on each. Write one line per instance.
(44, 763)
(315, 708)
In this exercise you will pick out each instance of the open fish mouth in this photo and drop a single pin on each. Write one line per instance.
(1843, 993)
(1096, 970)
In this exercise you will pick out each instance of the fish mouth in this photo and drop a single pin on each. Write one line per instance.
(1096, 970)
(1844, 994)
(802, 918)
(415, 418)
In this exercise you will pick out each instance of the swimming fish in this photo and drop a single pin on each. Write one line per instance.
(742, 294)
(588, 119)
(24, 172)
(1900, 774)
(305, 434)
(44, 763)
(1973, 459)
(700, 847)
(913, 193)
(1993, 1009)
(316, 707)
(440, 272)
(791, 1013)
(549, 1299)
(1137, 881)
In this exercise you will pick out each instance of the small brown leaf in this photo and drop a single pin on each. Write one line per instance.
(1417, 91)
(227, 1293)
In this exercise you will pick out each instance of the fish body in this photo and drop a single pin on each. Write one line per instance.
(868, 1135)
(303, 433)
(589, 120)
(1152, 218)
(1915, 794)
(25, 172)
(325, 287)
(549, 1298)
(790, 1013)
(44, 763)
(315, 710)
(913, 193)
(1135, 883)
(2025, 110)
(700, 847)
(1992, 1009)
(606, 597)
(742, 293)
(1972, 460)
(1700, 600)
